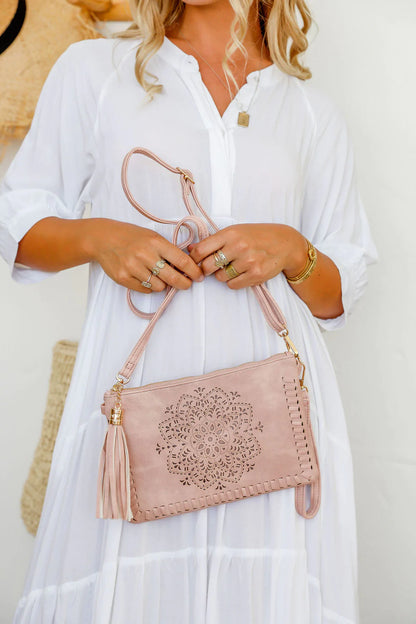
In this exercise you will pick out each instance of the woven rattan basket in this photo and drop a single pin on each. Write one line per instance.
(63, 360)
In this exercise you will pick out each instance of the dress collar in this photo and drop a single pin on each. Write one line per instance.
(184, 62)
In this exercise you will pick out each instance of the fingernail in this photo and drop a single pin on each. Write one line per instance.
(201, 279)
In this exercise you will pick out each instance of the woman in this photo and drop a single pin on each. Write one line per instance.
(284, 179)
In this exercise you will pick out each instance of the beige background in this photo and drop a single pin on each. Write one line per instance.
(364, 58)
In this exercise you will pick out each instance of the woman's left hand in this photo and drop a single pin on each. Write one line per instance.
(258, 251)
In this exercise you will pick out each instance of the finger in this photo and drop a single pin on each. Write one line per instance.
(181, 261)
(135, 283)
(244, 280)
(208, 246)
(222, 276)
(239, 282)
(208, 264)
(169, 275)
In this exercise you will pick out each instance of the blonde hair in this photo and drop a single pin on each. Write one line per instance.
(279, 21)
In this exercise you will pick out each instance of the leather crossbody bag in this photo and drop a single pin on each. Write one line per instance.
(185, 444)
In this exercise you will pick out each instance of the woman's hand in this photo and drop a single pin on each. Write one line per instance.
(128, 252)
(258, 251)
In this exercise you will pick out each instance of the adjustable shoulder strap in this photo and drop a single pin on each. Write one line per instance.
(270, 309)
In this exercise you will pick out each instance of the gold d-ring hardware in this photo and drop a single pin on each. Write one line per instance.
(120, 379)
(185, 175)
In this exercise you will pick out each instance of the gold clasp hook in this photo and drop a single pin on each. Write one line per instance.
(291, 347)
(119, 383)
(118, 387)
(302, 377)
(289, 344)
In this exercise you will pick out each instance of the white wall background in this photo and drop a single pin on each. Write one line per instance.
(364, 57)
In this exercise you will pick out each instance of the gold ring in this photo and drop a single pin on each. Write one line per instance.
(231, 271)
(159, 265)
(220, 259)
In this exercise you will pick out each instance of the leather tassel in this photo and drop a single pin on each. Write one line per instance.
(113, 494)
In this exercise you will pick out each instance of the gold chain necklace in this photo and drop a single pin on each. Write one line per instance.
(243, 116)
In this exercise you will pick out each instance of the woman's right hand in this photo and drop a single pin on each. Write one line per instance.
(127, 253)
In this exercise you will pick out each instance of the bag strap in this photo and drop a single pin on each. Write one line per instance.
(270, 309)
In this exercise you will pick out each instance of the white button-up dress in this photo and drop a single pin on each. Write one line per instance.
(253, 561)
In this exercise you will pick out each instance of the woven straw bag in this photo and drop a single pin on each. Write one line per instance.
(63, 360)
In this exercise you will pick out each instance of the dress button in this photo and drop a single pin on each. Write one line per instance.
(192, 62)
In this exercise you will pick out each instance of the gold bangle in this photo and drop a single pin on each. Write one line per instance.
(305, 273)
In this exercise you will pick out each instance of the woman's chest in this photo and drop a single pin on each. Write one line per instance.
(255, 172)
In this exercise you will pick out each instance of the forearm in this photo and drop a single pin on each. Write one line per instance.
(321, 291)
(125, 251)
(53, 244)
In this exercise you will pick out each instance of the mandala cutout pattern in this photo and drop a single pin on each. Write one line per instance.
(210, 438)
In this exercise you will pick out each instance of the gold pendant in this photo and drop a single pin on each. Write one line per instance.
(243, 119)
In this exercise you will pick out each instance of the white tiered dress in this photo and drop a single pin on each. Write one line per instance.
(253, 561)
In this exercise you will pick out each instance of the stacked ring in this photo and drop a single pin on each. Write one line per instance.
(220, 259)
(155, 271)
(159, 265)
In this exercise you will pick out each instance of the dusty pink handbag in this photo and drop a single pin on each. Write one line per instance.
(181, 445)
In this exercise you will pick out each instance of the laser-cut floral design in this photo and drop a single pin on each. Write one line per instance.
(210, 438)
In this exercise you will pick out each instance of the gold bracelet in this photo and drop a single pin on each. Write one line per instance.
(305, 273)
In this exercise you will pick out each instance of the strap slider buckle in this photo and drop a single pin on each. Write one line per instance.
(185, 175)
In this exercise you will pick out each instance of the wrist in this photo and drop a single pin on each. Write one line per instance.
(92, 235)
(297, 257)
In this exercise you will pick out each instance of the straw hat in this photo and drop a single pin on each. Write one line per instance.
(107, 10)
(42, 34)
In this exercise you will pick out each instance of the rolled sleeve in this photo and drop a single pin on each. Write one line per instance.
(50, 172)
(352, 266)
(333, 216)
(20, 210)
